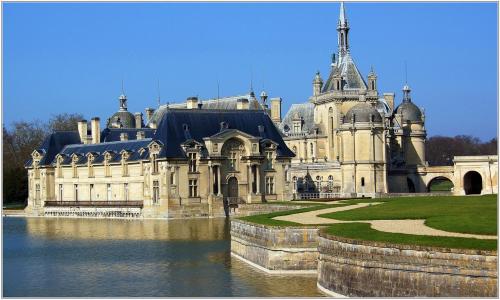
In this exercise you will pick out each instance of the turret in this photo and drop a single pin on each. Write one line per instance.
(317, 84)
(372, 81)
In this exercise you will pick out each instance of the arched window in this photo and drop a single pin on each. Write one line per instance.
(362, 181)
(330, 183)
(318, 182)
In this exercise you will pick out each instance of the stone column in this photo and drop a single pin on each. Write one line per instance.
(258, 179)
(210, 184)
(219, 190)
(167, 174)
(250, 179)
(177, 183)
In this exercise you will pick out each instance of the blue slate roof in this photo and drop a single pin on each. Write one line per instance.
(176, 127)
(54, 143)
(113, 134)
(205, 123)
(114, 147)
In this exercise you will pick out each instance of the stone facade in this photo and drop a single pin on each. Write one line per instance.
(369, 269)
(275, 249)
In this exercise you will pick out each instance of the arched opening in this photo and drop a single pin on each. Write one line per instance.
(232, 187)
(411, 185)
(473, 183)
(440, 184)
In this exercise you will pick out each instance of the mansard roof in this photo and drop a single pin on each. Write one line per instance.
(100, 149)
(226, 103)
(113, 134)
(54, 143)
(305, 111)
(180, 125)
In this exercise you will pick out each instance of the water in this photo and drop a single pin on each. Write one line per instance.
(49, 257)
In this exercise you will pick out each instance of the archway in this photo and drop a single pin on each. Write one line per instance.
(411, 185)
(473, 183)
(440, 184)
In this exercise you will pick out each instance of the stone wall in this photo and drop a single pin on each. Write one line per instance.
(371, 269)
(275, 249)
(256, 209)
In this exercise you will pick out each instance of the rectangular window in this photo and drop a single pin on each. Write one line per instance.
(75, 171)
(60, 192)
(107, 172)
(109, 195)
(269, 159)
(91, 171)
(192, 162)
(91, 191)
(193, 188)
(232, 161)
(172, 178)
(269, 185)
(76, 191)
(154, 161)
(124, 168)
(37, 173)
(362, 181)
(215, 147)
(37, 193)
(125, 191)
(156, 192)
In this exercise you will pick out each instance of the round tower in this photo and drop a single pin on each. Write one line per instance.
(362, 152)
(317, 84)
(412, 134)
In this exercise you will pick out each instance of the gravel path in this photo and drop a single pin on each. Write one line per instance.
(415, 227)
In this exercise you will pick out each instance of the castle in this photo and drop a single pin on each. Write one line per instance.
(202, 156)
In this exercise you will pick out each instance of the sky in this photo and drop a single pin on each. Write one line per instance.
(73, 57)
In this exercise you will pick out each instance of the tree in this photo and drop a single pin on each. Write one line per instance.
(19, 142)
(440, 150)
(65, 122)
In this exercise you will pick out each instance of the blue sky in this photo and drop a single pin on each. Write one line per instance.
(72, 57)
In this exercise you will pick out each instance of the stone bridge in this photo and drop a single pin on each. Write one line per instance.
(469, 175)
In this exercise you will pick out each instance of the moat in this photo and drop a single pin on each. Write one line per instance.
(63, 257)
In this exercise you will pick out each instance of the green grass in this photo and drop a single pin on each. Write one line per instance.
(463, 214)
(471, 214)
(363, 231)
(267, 219)
(441, 186)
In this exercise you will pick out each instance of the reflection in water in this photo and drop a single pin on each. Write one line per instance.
(97, 257)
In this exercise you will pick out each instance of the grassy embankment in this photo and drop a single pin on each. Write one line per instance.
(474, 215)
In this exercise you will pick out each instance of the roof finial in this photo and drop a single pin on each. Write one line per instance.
(123, 93)
(343, 31)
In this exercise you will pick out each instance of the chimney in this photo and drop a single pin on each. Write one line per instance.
(242, 103)
(138, 120)
(149, 113)
(389, 98)
(82, 131)
(123, 136)
(192, 102)
(95, 127)
(276, 110)
(140, 135)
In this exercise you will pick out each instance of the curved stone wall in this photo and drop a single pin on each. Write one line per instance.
(275, 249)
(372, 269)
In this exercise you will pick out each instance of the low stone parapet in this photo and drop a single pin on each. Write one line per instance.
(93, 212)
(275, 249)
(374, 269)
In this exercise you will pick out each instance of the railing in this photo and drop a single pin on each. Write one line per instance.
(95, 203)
(318, 195)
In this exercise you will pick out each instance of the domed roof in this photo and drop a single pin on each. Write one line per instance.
(362, 113)
(126, 119)
(410, 112)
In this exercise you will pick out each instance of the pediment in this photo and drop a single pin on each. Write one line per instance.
(230, 133)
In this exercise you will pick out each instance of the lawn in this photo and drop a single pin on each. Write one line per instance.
(464, 214)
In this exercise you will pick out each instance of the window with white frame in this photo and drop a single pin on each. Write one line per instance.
(330, 182)
(193, 188)
(154, 162)
(318, 182)
(233, 160)
(269, 185)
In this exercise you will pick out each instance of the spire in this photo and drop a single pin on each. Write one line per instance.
(343, 31)
(342, 18)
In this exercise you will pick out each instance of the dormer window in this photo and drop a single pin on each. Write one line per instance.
(297, 126)
(125, 156)
(74, 159)
(90, 165)
(107, 170)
